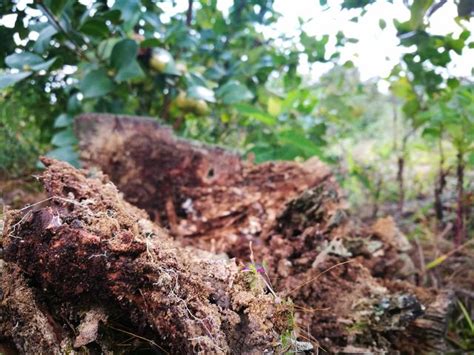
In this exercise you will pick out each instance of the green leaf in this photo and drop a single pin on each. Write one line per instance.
(63, 120)
(123, 59)
(263, 152)
(66, 153)
(467, 317)
(73, 104)
(95, 27)
(7, 79)
(42, 42)
(56, 6)
(23, 60)
(300, 141)
(28, 61)
(402, 88)
(123, 52)
(64, 138)
(411, 107)
(131, 71)
(255, 113)
(201, 93)
(316, 48)
(96, 83)
(453, 83)
(430, 132)
(105, 47)
(113, 16)
(216, 72)
(470, 159)
(418, 10)
(43, 66)
(150, 43)
(233, 92)
(130, 10)
(355, 4)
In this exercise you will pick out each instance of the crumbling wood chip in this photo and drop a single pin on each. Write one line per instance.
(89, 327)
(387, 230)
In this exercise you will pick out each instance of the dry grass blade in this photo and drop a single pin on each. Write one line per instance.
(439, 260)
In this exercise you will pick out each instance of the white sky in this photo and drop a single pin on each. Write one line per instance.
(376, 52)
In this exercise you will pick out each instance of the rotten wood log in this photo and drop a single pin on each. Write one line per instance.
(212, 199)
(207, 196)
(293, 215)
(86, 251)
(92, 261)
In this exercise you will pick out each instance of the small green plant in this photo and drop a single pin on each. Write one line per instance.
(467, 317)
(258, 277)
(288, 337)
(286, 341)
(461, 330)
(289, 343)
(15, 153)
(358, 327)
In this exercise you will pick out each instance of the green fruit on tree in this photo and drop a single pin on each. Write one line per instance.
(160, 58)
(201, 108)
(181, 100)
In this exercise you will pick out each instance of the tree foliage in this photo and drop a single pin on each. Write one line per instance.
(212, 74)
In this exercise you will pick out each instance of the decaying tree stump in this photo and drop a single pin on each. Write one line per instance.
(90, 262)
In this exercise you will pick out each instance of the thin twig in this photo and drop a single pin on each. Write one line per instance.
(138, 337)
(319, 275)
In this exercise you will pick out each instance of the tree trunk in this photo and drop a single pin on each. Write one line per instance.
(460, 229)
(401, 183)
(85, 269)
(189, 13)
(439, 189)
